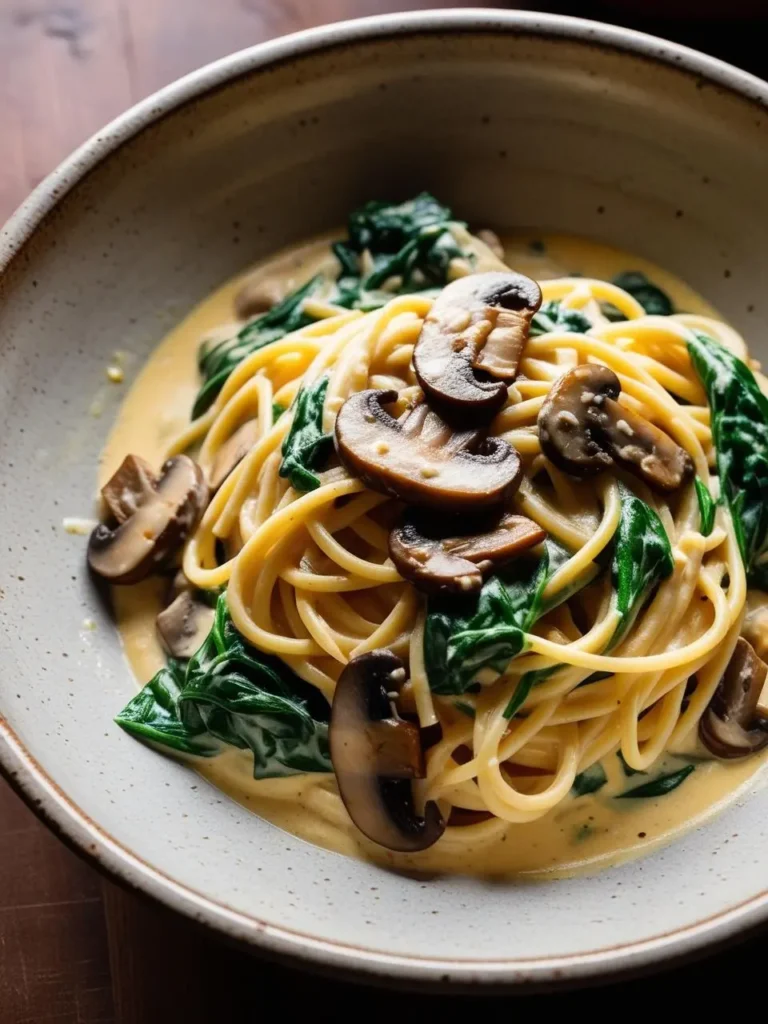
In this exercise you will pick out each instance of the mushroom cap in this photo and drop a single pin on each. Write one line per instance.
(584, 430)
(421, 459)
(143, 542)
(184, 624)
(458, 564)
(731, 727)
(375, 756)
(564, 428)
(478, 324)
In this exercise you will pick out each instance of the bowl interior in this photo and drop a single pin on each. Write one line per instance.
(512, 128)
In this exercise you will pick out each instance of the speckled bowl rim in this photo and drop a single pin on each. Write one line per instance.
(85, 835)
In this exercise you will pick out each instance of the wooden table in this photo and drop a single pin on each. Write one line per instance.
(74, 949)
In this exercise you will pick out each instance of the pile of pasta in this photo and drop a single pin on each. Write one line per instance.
(310, 581)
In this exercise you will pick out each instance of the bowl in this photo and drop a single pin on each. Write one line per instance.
(514, 119)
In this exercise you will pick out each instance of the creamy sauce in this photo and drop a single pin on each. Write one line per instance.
(578, 835)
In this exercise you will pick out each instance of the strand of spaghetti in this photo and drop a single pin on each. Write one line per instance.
(583, 561)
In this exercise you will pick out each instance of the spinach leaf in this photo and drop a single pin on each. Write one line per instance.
(464, 635)
(706, 507)
(306, 447)
(659, 786)
(654, 301)
(277, 411)
(590, 780)
(739, 412)
(411, 241)
(524, 687)
(217, 362)
(232, 695)
(553, 317)
(152, 716)
(642, 556)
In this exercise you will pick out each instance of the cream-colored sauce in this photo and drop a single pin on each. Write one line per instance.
(577, 835)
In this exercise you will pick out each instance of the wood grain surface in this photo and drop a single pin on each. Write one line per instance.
(75, 949)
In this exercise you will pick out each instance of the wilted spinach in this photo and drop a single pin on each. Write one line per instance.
(659, 786)
(464, 635)
(654, 301)
(642, 556)
(590, 780)
(552, 316)
(306, 447)
(410, 240)
(706, 507)
(216, 362)
(739, 411)
(231, 694)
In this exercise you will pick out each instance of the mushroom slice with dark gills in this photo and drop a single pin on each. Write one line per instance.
(184, 624)
(132, 484)
(584, 430)
(471, 343)
(421, 459)
(732, 725)
(458, 564)
(143, 542)
(376, 756)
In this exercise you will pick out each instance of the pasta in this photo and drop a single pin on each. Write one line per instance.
(309, 580)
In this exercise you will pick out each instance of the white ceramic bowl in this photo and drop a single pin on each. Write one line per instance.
(514, 119)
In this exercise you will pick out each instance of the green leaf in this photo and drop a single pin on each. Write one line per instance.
(628, 771)
(706, 507)
(739, 411)
(642, 556)
(590, 780)
(553, 317)
(306, 447)
(524, 687)
(233, 695)
(216, 362)
(659, 786)
(654, 301)
(277, 411)
(464, 635)
(152, 716)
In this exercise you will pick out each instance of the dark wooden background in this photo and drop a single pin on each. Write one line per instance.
(74, 949)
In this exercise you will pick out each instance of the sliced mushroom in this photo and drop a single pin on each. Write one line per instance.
(755, 626)
(184, 624)
(458, 564)
(421, 459)
(492, 240)
(584, 430)
(472, 340)
(232, 452)
(732, 725)
(258, 295)
(375, 756)
(158, 527)
(130, 487)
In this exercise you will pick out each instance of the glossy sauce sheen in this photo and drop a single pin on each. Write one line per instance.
(579, 834)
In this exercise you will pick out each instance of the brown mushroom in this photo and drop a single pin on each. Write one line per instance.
(375, 756)
(232, 452)
(257, 295)
(184, 624)
(472, 340)
(420, 459)
(143, 542)
(458, 564)
(754, 629)
(584, 430)
(732, 725)
(130, 487)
